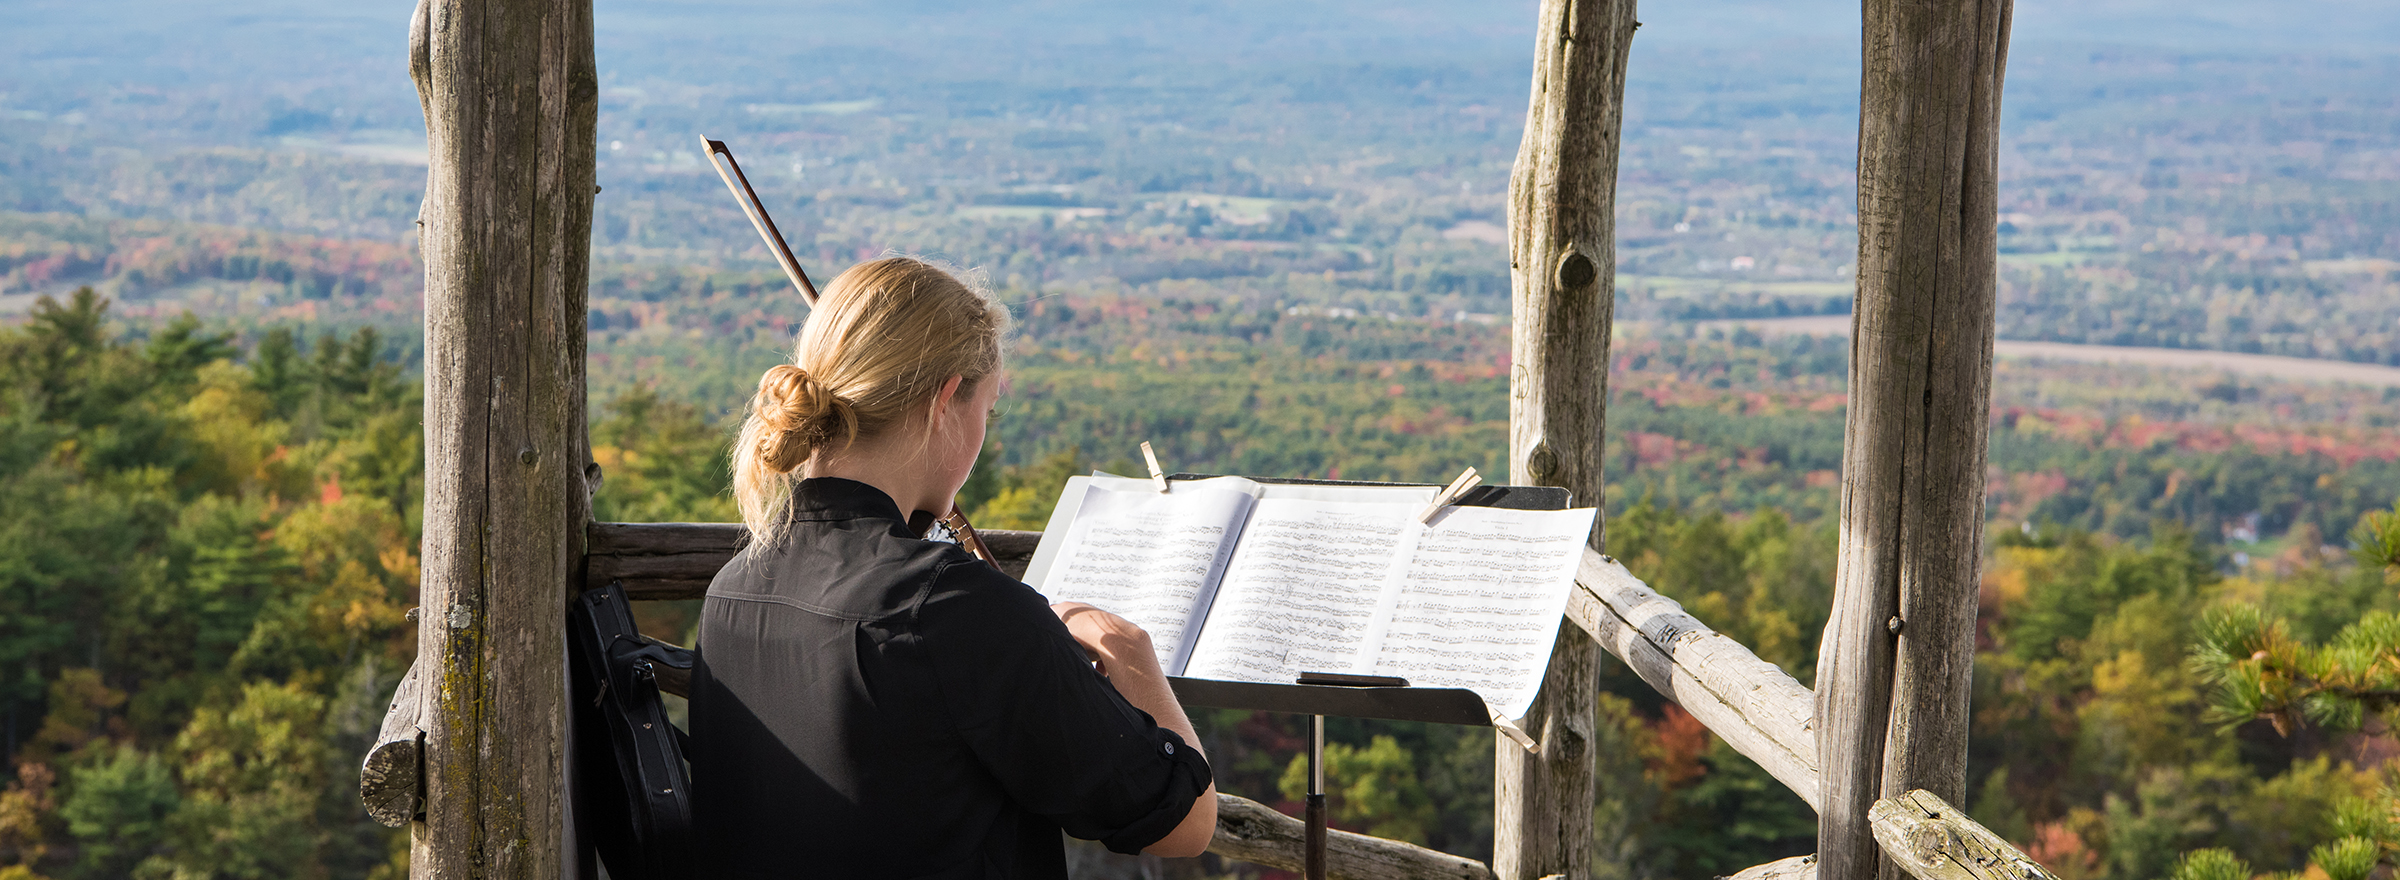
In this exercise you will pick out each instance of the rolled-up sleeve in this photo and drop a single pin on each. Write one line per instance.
(1059, 738)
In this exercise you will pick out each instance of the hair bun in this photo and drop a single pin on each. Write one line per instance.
(798, 414)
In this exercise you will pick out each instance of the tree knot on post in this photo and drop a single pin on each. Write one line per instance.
(1565, 744)
(528, 455)
(1541, 463)
(1576, 270)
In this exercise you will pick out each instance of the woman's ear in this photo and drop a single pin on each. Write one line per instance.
(943, 399)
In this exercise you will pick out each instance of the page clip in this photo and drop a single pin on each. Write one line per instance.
(1516, 734)
(1467, 479)
(1157, 475)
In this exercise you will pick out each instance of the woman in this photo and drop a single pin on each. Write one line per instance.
(871, 704)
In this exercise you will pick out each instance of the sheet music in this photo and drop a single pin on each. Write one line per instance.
(1148, 556)
(1482, 600)
(1300, 589)
(1320, 578)
(1062, 517)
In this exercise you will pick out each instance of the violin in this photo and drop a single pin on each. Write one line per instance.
(737, 182)
(957, 523)
(961, 532)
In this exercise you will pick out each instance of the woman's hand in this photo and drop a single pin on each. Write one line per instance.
(1114, 643)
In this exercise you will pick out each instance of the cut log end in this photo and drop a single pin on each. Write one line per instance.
(389, 782)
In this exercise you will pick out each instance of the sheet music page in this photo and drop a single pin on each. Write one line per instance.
(1301, 587)
(1062, 515)
(1481, 602)
(1148, 556)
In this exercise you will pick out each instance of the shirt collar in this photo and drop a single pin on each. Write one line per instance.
(818, 499)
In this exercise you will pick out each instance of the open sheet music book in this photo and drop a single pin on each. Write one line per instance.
(1244, 581)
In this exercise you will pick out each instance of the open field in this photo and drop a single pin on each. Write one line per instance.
(2264, 365)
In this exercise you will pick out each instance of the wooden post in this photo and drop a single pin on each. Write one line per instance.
(1562, 260)
(510, 96)
(1896, 665)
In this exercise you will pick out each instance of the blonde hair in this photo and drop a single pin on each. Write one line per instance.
(882, 339)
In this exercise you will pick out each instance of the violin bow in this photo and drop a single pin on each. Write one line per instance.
(739, 183)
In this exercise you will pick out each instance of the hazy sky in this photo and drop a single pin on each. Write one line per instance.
(64, 54)
(154, 39)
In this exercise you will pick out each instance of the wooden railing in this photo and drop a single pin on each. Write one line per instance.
(1752, 704)
(677, 560)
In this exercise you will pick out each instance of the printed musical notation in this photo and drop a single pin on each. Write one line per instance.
(1238, 587)
(1300, 591)
(1481, 603)
(1150, 558)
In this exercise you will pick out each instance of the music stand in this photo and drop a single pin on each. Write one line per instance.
(1319, 694)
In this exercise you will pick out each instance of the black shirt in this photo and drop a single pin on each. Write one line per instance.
(870, 704)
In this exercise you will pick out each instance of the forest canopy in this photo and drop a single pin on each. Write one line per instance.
(208, 537)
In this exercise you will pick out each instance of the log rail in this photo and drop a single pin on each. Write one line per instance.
(1758, 709)
(677, 560)
(1754, 705)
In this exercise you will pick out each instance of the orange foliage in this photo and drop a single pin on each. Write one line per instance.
(1682, 740)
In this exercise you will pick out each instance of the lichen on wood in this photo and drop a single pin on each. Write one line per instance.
(510, 94)
(1932, 840)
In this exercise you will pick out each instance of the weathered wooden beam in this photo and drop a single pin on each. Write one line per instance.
(1794, 868)
(1253, 832)
(659, 560)
(1927, 838)
(677, 560)
(1896, 663)
(1932, 840)
(510, 96)
(720, 540)
(391, 781)
(1562, 265)
(1750, 703)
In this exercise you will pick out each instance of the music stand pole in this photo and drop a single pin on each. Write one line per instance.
(1315, 842)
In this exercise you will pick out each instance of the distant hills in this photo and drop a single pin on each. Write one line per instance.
(2178, 174)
